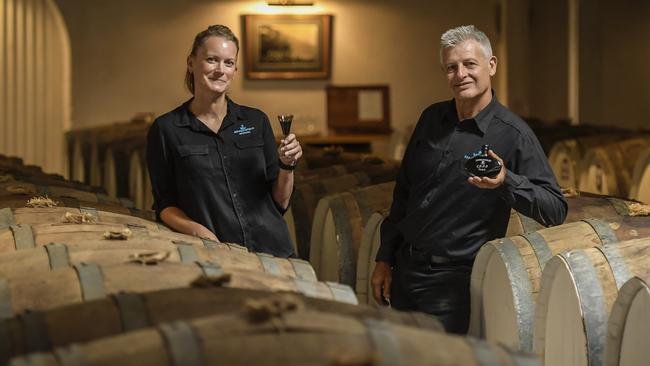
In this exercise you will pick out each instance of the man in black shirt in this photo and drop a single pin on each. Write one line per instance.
(440, 217)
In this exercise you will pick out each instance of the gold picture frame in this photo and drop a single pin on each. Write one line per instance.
(287, 46)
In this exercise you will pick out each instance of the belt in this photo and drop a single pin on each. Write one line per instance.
(436, 259)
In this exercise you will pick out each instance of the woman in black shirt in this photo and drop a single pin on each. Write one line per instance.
(215, 170)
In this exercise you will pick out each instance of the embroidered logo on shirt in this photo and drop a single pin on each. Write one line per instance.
(472, 155)
(243, 130)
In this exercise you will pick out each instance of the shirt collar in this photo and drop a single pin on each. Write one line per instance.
(187, 119)
(481, 120)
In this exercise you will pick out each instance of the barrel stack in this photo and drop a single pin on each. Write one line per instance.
(75, 253)
(84, 278)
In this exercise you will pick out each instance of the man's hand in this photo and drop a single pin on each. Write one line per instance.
(381, 279)
(290, 150)
(490, 183)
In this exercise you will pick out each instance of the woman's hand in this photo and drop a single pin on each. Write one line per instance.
(178, 220)
(290, 150)
(203, 233)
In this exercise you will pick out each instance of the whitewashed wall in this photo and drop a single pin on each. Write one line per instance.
(34, 82)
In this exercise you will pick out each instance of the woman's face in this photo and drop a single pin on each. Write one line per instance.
(214, 65)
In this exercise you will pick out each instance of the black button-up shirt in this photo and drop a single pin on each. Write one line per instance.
(436, 210)
(222, 181)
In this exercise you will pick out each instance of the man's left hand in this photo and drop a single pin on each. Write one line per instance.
(490, 183)
(290, 150)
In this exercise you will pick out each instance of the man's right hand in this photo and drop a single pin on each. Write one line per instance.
(381, 279)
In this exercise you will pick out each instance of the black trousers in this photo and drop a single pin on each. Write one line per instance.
(439, 289)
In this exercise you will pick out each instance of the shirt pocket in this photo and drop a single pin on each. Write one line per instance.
(250, 153)
(424, 161)
(195, 160)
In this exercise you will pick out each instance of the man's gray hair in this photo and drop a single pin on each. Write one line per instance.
(455, 36)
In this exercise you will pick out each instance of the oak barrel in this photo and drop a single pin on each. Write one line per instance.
(628, 328)
(337, 229)
(577, 292)
(30, 189)
(581, 205)
(294, 336)
(56, 249)
(608, 169)
(19, 201)
(506, 273)
(47, 289)
(307, 194)
(39, 331)
(15, 177)
(565, 157)
(67, 215)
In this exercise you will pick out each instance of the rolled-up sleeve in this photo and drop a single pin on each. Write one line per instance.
(161, 170)
(530, 186)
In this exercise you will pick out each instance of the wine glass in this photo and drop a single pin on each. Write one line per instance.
(285, 123)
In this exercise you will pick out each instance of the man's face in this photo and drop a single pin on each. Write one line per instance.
(468, 70)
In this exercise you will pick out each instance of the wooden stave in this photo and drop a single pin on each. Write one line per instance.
(11, 159)
(136, 179)
(617, 339)
(89, 237)
(78, 168)
(56, 215)
(596, 274)
(525, 273)
(18, 201)
(68, 324)
(46, 180)
(26, 188)
(317, 338)
(353, 209)
(109, 173)
(641, 178)
(370, 241)
(148, 191)
(48, 289)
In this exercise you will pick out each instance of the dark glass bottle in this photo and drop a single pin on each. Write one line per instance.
(483, 165)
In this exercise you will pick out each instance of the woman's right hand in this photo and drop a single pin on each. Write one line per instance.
(203, 233)
(176, 219)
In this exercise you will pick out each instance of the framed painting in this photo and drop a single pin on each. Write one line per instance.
(287, 46)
